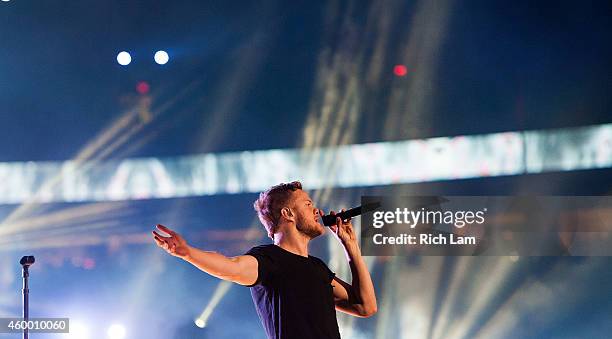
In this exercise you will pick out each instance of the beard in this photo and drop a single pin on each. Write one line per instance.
(308, 227)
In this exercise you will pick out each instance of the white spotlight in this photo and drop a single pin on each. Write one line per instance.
(116, 331)
(124, 58)
(200, 323)
(161, 57)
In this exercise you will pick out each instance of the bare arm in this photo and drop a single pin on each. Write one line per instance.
(359, 297)
(241, 269)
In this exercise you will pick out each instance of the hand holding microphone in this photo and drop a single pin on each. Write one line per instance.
(340, 223)
(330, 219)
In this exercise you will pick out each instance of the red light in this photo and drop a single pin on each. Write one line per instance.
(142, 87)
(400, 70)
(89, 263)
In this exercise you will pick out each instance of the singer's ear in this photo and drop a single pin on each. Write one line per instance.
(287, 213)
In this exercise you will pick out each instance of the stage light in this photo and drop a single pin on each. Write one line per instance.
(116, 331)
(218, 294)
(400, 70)
(143, 87)
(78, 331)
(200, 323)
(124, 58)
(161, 57)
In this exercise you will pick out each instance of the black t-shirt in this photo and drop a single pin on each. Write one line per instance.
(293, 295)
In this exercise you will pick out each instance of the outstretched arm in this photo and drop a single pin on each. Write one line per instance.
(241, 269)
(357, 298)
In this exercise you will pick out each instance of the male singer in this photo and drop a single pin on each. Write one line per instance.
(294, 293)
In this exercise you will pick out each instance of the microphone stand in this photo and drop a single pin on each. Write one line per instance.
(26, 262)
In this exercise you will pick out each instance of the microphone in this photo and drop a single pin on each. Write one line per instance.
(329, 220)
(27, 261)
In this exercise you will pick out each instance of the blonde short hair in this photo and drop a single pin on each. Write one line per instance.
(270, 203)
